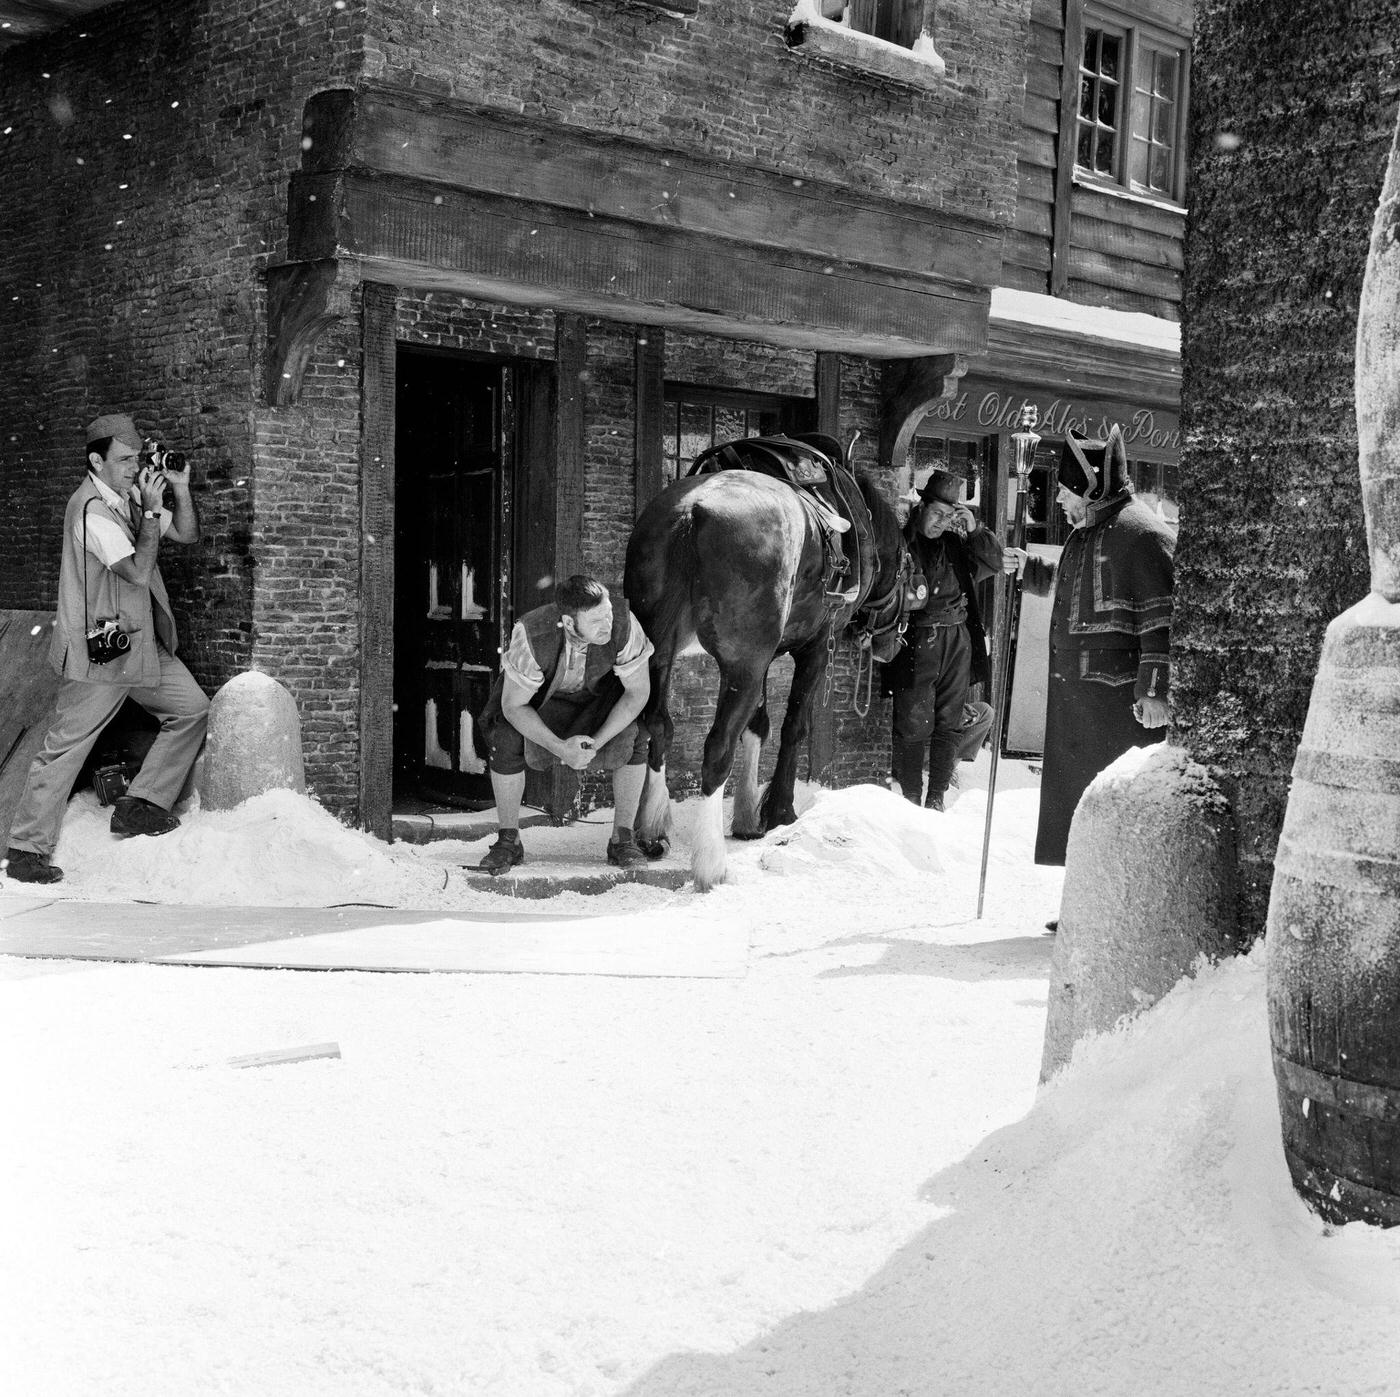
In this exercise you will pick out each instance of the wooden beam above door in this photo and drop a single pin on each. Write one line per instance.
(430, 193)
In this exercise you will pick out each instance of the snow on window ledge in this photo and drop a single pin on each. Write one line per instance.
(810, 33)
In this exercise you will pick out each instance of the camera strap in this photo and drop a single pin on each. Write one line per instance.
(86, 624)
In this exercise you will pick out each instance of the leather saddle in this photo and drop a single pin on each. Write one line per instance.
(810, 463)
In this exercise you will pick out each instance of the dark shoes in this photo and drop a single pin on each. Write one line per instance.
(625, 852)
(133, 815)
(934, 803)
(25, 866)
(504, 854)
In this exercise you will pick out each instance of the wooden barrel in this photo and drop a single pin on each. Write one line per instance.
(1334, 929)
(1334, 912)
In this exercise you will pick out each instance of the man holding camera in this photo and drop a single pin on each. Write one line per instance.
(114, 639)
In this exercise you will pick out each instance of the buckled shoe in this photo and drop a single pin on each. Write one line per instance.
(503, 855)
(625, 852)
(25, 866)
(135, 815)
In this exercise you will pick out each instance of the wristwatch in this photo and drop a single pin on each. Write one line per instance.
(150, 514)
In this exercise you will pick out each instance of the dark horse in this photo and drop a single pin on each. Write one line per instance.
(733, 561)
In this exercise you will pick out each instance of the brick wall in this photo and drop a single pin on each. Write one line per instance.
(1272, 540)
(305, 557)
(723, 84)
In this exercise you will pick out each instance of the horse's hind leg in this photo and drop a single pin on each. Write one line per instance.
(808, 666)
(747, 822)
(740, 693)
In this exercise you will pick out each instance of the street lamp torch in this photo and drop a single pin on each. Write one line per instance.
(1024, 439)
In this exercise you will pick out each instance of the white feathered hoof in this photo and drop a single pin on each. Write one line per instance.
(653, 828)
(707, 858)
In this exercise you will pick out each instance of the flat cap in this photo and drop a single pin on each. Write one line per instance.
(115, 424)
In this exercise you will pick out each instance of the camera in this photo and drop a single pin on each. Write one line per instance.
(105, 641)
(156, 456)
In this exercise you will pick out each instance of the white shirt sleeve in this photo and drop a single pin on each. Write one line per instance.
(635, 652)
(519, 661)
(106, 539)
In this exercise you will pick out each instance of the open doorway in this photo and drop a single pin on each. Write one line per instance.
(454, 480)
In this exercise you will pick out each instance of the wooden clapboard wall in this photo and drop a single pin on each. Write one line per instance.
(1071, 239)
(27, 688)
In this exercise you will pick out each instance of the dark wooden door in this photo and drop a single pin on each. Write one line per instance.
(451, 570)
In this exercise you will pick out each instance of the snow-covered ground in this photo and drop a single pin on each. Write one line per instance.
(832, 1177)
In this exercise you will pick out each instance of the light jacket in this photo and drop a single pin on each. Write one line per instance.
(89, 593)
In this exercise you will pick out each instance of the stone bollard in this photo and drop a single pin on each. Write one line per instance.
(1150, 886)
(254, 743)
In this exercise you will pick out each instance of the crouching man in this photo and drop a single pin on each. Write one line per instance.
(573, 680)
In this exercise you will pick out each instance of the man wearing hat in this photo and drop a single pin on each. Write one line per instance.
(1110, 627)
(946, 647)
(114, 639)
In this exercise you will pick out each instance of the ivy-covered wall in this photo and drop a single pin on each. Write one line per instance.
(1290, 131)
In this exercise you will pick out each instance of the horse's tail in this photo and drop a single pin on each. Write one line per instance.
(666, 619)
(670, 615)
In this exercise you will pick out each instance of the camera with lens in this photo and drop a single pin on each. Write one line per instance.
(156, 456)
(106, 641)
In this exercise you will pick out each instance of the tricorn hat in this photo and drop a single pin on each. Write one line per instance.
(1094, 469)
(942, 487)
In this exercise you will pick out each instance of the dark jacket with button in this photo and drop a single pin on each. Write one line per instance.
(1110, 631)
(952, 566)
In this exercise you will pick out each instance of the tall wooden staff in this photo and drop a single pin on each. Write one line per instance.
(1025, 439)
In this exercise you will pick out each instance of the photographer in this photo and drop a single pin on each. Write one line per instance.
(946, 649)
(114, 638)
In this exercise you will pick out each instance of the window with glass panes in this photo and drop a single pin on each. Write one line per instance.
(1155, 484)
(1132, 86)
(695, 419)
(1100, 88)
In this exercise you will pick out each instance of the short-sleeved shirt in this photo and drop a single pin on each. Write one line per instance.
(107, 541)
(519, 661)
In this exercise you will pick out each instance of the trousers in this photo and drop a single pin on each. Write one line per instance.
(928, 712)
(81, 711)
(566, 715)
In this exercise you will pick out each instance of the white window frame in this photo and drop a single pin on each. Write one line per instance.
(1140, 39)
